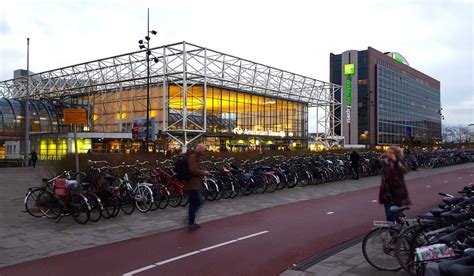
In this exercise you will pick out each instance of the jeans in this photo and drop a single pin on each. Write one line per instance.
(391, 216)
(355, 170)
(195, 202)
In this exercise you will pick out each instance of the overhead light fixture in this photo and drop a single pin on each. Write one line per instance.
(140, 41)
(142, 46)
(155, 59)
(147, 37)
(153, 32)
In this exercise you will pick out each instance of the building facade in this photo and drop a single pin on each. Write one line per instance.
(384, 101)
(195, 95)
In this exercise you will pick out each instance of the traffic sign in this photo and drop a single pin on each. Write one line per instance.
(75, 116)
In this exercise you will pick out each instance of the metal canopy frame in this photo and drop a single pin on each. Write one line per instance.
(185, 65)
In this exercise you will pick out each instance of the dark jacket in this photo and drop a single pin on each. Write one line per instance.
(355, 158)
(195, 183)
(34, 156)
(393, 188)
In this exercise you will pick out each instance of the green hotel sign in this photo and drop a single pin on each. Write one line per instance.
(349, 69)
(348, 90)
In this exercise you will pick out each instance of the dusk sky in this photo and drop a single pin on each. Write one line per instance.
(435, 36)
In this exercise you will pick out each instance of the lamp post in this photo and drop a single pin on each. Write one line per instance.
(145, 44)
(27, 108)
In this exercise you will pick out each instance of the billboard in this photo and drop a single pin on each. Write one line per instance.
(139, 129)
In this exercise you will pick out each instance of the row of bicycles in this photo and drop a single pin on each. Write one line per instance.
(438, 243)
(105, 189)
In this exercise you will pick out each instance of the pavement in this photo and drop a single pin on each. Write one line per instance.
(24, 238)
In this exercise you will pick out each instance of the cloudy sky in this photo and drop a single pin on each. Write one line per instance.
(435, 36)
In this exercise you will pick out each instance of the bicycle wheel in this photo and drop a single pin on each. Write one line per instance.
(292, 180)
(260, 184)
(211, 190)
(96, 207)
(49, 205)
(127, 202)
(174, 198)
(272, 183)
(143, 198)
(32, 205)
(110, 202)
(157, 196)
(79, 208)
(246, 187)
(184, 200)
(234, 188)
(164, 196)
(378, 248)
(405, 249)
(225, 185)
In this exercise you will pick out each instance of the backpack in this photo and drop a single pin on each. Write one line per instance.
(181, 168)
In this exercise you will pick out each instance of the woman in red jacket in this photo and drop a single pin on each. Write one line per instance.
(393, 190)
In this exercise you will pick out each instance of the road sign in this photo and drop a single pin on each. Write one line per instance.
(75, 116)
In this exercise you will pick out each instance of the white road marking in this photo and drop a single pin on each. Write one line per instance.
(375, 200)
(446, 181)
(428, 186)
(253, 235)
(329, 213)
(177, 258)
(218, 245)
(192, 253)
(459, 177)
(139, 270)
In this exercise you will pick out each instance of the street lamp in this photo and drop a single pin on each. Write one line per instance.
(145, 44)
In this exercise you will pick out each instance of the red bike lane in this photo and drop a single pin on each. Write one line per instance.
(264, 242)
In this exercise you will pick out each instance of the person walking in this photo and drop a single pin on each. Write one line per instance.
(355, 158)
(393, 190)
(34, 158)
(193, 186)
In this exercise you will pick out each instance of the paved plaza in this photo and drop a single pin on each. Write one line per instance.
(26, 238)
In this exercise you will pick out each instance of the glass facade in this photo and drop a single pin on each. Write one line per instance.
(233, 118)
(115, 111)
(336, 68)
(407, 108)
(231, 112)
(362, 94)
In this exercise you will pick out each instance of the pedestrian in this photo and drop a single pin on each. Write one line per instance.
(393, 190)
(193, 186)
(355, 158)
(34, 158)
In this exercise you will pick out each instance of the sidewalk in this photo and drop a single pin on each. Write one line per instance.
(26, 238)
(348, 262)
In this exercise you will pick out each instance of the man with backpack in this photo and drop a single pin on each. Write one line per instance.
(192, 176)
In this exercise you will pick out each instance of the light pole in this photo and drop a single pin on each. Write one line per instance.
(148, 53)
(27, 107)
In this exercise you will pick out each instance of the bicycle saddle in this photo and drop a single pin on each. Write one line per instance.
(398, 209)
(452, 237)
(457, 217)
(469, 251)
(452, 200)
(437, 212)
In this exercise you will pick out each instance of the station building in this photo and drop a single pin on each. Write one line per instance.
(195, 94)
